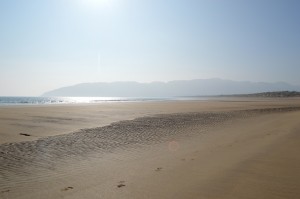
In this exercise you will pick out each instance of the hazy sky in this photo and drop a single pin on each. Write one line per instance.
(46, 44)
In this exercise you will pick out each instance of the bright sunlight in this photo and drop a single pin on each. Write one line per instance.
(97, 2)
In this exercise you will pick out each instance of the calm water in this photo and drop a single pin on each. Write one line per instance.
(5, 101)
(67, 100)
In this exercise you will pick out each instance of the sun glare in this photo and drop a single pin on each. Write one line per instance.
(97, 2)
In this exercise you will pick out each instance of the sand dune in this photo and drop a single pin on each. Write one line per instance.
(240, 151)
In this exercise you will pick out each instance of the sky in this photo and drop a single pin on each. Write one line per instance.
(47, 44)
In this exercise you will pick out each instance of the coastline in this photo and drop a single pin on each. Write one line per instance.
(157, 150)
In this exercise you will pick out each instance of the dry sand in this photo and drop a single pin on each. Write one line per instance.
(197, 149)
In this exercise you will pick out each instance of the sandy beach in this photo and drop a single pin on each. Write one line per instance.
(229, 148)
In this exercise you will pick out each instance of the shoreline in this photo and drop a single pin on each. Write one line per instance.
(225, 98)
(40, 121)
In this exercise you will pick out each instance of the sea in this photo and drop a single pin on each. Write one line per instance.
(7, 101)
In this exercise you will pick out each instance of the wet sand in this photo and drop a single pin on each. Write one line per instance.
(44, 121)
(210, 149)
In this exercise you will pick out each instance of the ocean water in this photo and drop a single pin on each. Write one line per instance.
(6, 101)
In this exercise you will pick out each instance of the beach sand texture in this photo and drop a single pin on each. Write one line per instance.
(208, 149)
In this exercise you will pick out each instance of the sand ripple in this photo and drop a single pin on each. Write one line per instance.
(22, 160)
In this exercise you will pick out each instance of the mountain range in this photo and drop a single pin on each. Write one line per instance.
(196, 87)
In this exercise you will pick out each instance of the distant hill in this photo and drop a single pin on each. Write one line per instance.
(197, 87)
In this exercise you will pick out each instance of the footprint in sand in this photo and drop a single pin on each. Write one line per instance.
(158, 169)
(121, 184)
(67, 188)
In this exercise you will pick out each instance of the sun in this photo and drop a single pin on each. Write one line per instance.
(97, 2)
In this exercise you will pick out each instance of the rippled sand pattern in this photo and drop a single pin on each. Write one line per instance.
(22, 160)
